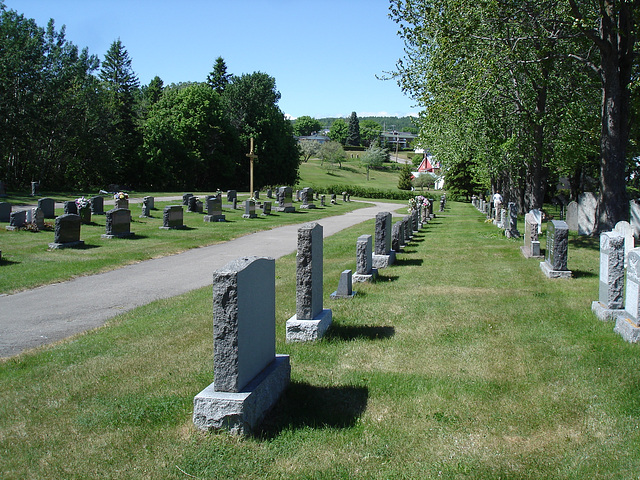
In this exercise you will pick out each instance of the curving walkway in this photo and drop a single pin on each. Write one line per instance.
(53, 312)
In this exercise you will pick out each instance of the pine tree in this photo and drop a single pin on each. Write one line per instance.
(404, 181)
(218, 79)
(353, 137)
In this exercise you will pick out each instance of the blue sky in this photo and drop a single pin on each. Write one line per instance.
(324, 55)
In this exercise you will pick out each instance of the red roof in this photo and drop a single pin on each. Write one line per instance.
(426, 166)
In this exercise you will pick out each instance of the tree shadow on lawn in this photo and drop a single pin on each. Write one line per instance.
(403, 262)
(583, 274)
(4, 261)
(303, 405)
(592, 243)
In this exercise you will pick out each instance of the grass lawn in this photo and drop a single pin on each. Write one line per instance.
(461, 361)
(27, 262)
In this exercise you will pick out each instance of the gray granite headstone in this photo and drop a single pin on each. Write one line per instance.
(333, 198)
(249, 209)
(266, 208)
(587, 204)
(531, 247)
(383, 233)
(185, 199)
(97, 205)
(172, 217)
(67, 232)
(17, 220)
(214, 209)
(231, 196)
(555, 264)
(48, 206)
(285, 200)
(307, 198)
(70, 207)
(626, 230)
(35, 188)
(364, 260)
(323, 200)
(151, 202)
(572, 216)
(118, 223)
(345, 286)
(634, 216)
(397, 237)
(512, 228)
(311, 321)
(269, 193)
(628, 322)
(610, 298)
(35, 217)
(146, 209)
(249, 377)
(5, 211)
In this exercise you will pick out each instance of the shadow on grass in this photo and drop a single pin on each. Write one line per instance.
(349, 333)
(583, 274)
(4, 261)
(409, 261)
(385, 278)
(304, 405)
(592, 243)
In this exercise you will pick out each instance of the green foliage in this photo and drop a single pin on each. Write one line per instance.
(306, 125)
(353, 135)
(365, 192)
(308, 149)
(331, 153)
(370, 131)
(404, 180)
(375, 156)
(339, 131)
(218, 79)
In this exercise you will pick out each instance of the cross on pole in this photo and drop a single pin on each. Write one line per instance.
(251, 156)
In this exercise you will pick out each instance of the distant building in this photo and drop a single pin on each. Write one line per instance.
(402, 139)
(315, 138)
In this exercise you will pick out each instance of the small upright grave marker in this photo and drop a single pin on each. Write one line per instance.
(364, 264)
(610, 298)
(48, 206)
(17, 220)
(628, 322)
(67, 232)
(249, 209)
(345, 286)
(555, 264)
(249, 377)
(311, 321)
(531, 247)
(285, 202)
(118, 224)
(383, 255)
(307, 198)
(97, 205)
(172, 217)
(5, 211)
(214, 209)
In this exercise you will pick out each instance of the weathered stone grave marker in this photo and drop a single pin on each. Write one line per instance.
(628, 322)
(249, 377)
(172, 218)
(118, 224)
(383, 254)
(307, 198)
(511, 230)
(345, 286)
(531, 247)
(5, 211)
(364, 263)
(17, 220)
(285, 201)
(97, 205)
(214, 209)
(555, 264)
(311, 321)
(67, 232)
(48, 207)
(610, 296)
(626, 230)
(249, 209)
(70, 207)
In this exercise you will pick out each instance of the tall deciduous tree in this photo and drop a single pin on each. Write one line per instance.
(370, 131)
(125, 140)
(353, 135)
(339, 131)
(306, 125)
(251, 101)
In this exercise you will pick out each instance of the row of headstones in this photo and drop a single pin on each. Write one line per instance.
(614, 301)
(581, 214)
(504, 218)
(249, 376)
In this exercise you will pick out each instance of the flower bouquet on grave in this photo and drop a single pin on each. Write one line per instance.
(420, 200)
(412, 205)
(84, 210)
(122, 200)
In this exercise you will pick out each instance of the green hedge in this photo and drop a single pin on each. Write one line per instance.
(364, 192)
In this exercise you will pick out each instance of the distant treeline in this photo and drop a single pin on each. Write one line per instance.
(400, 124)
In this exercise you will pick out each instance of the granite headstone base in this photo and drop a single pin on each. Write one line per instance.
(214, 218)
(240, 413)
(551, 273)
(58, 246)
(383, 261)
(533, 252)
(363, 278)
(308, 330)
(118, 235)
(627, 329)
(286, 209)
(603, 313)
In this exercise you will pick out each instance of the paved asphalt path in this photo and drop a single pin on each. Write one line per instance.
(53, 312)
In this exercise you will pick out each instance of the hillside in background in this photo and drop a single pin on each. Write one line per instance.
(401, 124)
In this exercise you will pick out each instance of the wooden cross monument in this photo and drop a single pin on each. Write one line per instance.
(251, 156)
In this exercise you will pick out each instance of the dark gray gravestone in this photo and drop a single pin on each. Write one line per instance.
(214, 209)
(311, 321)
(266, 208)
(628, 322)
(364, 261)
(323, 200)
(35, 217)
(17, 220)
(307, 198)
(85, 214)
(555, 264)
(70, 207)
(48, 207)
(285, 201)
(333, 198)
(383, 255)
(248, 375)
(35, 188)
(610, 299)
(408, 231)
(151, 201)
(118, 223)
(172, 217)
(185, 198)
(269, 193)
(67, 232)
(345, 286)
(146, 208)
(97, 205)
(511, 230)
(5, 211)
(397, 237)
(232, 196)
(531, 247)
(249, 209)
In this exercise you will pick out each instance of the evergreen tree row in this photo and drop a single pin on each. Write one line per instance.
(73, 122)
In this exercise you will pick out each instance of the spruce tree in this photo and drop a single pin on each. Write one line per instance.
(353, 137)
(218, 79)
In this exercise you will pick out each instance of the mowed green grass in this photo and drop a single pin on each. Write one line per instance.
(461, 361)
(27, 261)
